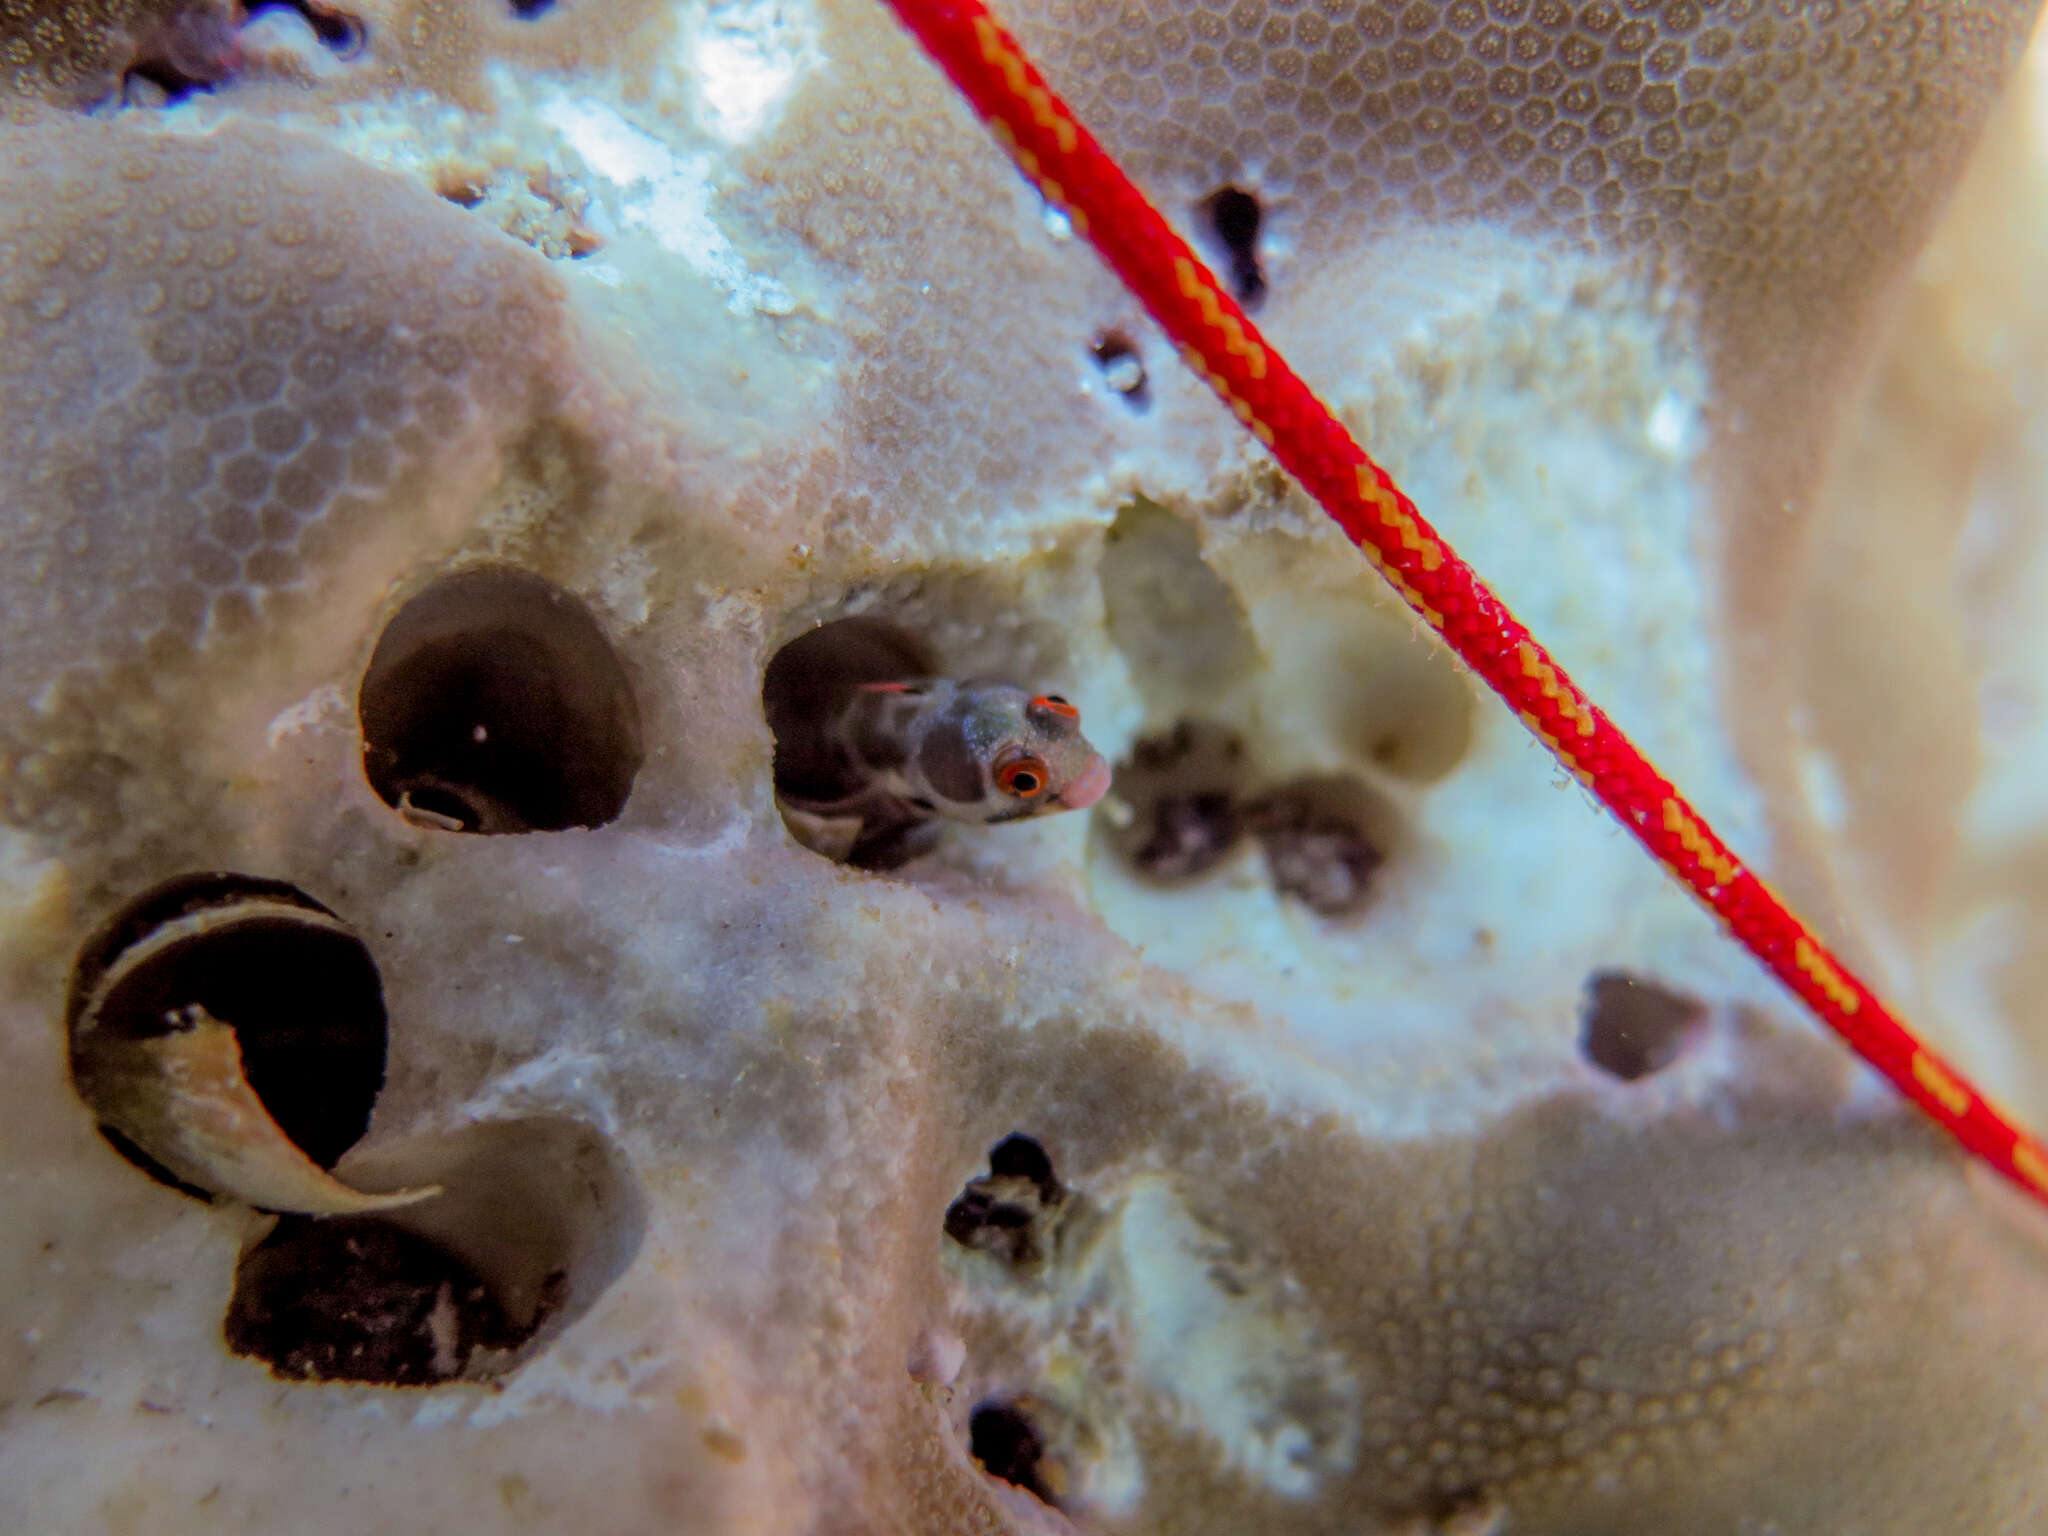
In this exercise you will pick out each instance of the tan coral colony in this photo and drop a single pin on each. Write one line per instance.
(450, 451)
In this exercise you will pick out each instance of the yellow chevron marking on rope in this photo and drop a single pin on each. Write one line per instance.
(1687, 831)
(1393, 515)
(1196, 287)
(2031, 1164)
(1558, 749)
(1810, 960)
(1569, 704)
(1954, 1097)
(1017, 76)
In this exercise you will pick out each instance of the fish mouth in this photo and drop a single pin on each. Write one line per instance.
(1090, 787)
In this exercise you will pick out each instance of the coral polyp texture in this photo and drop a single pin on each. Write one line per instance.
(450, 445)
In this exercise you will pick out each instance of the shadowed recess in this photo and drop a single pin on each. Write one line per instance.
(300, 992)
(808, 683)
(1001, 1437)
(535, 1220)
(494, 703)
(1631, 1027)
(1325, 838)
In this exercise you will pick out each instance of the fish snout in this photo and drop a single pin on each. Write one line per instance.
(1088, 787)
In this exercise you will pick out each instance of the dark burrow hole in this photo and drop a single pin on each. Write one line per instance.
(1011, 1213)
(1231, 217)
(341, 34)
(361, 1300)
(460, 191)
(536, 1218)
(806, 688)
(299, 990)
(1631, 1027)
(1178, 806)
(494, 703)
(1325, 837)
(1123, 370)
(179, 54)
(1002, 1438)
(530, 10)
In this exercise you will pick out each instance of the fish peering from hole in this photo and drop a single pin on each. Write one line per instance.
(912, 755)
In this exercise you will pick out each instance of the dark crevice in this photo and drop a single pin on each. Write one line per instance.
(299, 990)
(339, 33)
(1631, 1028)
(1013, 1213)
(535, 1220)
(1232, 217)
(1002, 1438)
(1325, 838)
(530, 10)
(1180, 801)
(495, 704)
(362, 1300)
(1123, 369)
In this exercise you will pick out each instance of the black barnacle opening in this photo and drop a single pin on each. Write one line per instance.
(494, 703)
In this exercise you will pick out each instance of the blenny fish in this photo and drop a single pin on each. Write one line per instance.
(902, 758)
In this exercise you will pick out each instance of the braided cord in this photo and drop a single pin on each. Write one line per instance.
(1221, 345)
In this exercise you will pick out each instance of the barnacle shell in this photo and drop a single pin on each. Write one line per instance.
(161, 1072)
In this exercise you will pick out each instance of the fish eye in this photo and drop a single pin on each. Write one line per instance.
(1052, 705)
(1022, 776)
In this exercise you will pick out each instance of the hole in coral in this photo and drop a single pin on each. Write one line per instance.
(1631, 1027)
(1325, 838)
(531, 10)
(1123, 370)
(493, 703)
(300, 992)
(537, 1217)
(462, 191)
(1002, 1438)
(360, 1299)
(182, 53)
(1013, 1212)
(1178, 624)
(542, 1208)
(1232, 217)
(1177, 810)
(340, 34)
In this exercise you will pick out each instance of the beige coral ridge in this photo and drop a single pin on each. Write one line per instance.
(423, 424)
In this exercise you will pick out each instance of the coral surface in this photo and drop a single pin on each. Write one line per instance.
(427, 422)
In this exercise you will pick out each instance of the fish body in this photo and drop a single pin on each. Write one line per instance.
(905, 757)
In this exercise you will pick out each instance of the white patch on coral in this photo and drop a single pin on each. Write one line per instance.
(322, 705)
(666, 194)
(1229, 1354)
(746, 56)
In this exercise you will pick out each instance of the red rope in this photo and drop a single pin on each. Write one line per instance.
(1221, 345)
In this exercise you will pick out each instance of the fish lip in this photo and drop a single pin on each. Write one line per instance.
(1090, 787)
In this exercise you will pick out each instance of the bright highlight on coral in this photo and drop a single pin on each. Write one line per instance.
(1226, 349)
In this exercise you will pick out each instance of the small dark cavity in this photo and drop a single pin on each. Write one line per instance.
(1012, 1213)
(339, 33)
(805, 692)
(1325, 839)
(530, 10)
(1632, 1027)
(1123, 369)
(493, 703)
(186, 52)
(363, 1300)
(460, 191)
(1232, 217)
(1002, 1438)
(301, 993)
(1179, 801)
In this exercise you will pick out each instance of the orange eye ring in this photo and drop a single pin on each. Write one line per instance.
(1022, 776)
(1053, 704)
